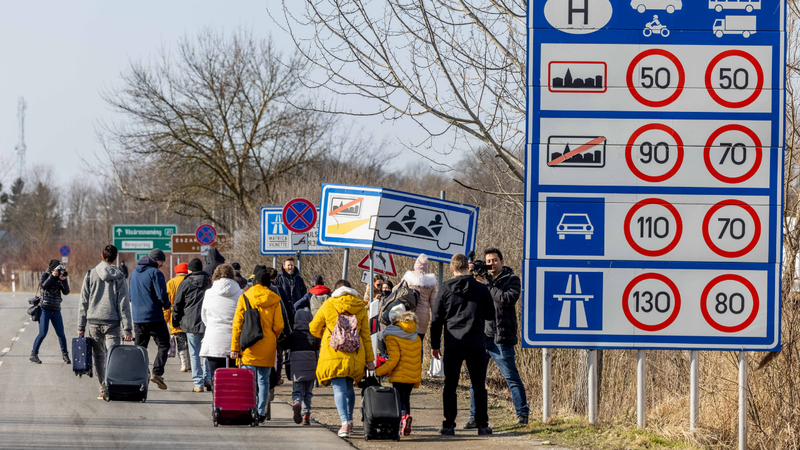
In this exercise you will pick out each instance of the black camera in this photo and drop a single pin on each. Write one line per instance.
(479, 267)
(62, 272)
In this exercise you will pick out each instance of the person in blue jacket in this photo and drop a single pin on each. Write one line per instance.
(149, 299)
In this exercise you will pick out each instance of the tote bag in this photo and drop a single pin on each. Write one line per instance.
(251, 328)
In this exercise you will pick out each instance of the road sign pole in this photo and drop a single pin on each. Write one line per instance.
(442, 195)
(344, 263)
(641, 389)
(546, 400)
(275, 262)
(694, 391)
(300, 263)
(593, 387)
(742, 401)
(371, 277)
(171, 265)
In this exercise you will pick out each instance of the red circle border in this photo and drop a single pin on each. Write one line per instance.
(707, 154)
(670, 208)
(678, 89)
(629, 150)
(759, 83)
(313, 210)
(648, 276)
(753, 215)
(753, 293)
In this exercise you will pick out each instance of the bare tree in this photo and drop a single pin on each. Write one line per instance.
(209, 128)
(456, 67)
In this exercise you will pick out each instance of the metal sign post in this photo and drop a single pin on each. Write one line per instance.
(694, 390)
(742, 400)
(547, 402)
(345, 261)
(641, 392)
(371, 277)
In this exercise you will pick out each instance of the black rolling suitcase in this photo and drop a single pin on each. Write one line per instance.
(127, 373)
(82, 356)
(380, 409)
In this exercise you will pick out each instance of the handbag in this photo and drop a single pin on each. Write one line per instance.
(251, 327)
(437, 368)
(35, 311)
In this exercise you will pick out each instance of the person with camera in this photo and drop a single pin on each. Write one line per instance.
(105, 310)
(53, 284)
(501, 333)
(462, 309)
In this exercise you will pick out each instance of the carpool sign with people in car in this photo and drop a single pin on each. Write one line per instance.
(397, 222)
(654, 176)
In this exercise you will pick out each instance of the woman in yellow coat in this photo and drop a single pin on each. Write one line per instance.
(404, 365)
(181, 270)
(338, 368)
(260, 357)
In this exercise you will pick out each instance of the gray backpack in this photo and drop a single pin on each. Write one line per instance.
(316, 302)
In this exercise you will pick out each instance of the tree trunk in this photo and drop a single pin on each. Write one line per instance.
(580, 392)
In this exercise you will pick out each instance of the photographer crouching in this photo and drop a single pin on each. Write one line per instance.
(501, 334)
(53, 284)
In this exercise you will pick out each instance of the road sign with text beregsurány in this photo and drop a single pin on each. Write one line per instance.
(654, 174)
(141, 238)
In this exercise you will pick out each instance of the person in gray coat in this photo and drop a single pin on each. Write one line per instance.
(305, 351)
(105, 309)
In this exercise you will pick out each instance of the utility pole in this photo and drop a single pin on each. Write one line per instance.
(21, 106)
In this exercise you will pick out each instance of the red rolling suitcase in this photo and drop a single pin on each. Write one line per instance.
(234, 397)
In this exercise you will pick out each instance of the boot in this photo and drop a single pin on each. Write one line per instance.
(35, 358)
(65, 357)
(186, 365)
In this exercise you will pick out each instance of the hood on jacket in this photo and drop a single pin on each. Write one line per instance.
(346, 299)
(262, 297)
(403, 326)
(197, 279)
(460, 285)
(107, 272)
(319, 290)
(145, 263)
(225, 287)
(420, 279)
(302, 318)
(214, 256)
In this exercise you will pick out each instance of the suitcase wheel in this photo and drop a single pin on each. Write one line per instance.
(144, 399)
(216, 424)
(366, 437)
(253, 423)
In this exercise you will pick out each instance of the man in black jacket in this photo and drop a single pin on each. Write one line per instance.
(501, 333)
(463, 308)
(186, 315)
(291, 282)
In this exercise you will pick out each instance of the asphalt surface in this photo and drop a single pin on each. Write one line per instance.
(47, 406)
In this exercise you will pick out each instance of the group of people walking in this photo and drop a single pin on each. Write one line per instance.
(321, 336)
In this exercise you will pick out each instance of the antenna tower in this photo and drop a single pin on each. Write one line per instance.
(21, 146)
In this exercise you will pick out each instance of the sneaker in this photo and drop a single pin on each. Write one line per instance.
(523, 420)
(447, 431)
(350, 427)
(484, 431)
(65, 357)
(344, 431)
(208, 385)
(101, 396)
(159, 381)
(198, 389)
(262, 419)
(471, 424)
(297, 415)
(35, 358)
(405, 427)
(306, 420)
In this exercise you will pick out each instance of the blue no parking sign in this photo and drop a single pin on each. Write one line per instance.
(654, 174)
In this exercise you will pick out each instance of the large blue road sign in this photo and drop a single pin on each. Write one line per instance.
(654, 174)
(276, 238)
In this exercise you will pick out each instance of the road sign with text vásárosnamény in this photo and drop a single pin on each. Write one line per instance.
(655, 138)
(136, 237)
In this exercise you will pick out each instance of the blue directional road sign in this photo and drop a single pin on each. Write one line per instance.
(64, 250)
(654, 174)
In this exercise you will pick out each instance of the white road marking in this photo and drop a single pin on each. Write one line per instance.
(1, 363)
(26, 323)
(16, 338)
(21, 330)
(5, 350)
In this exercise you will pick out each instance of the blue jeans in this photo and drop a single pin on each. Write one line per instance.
(345, 398)
(201, 371)
(44, 326)
(262, 380)
(505, 358)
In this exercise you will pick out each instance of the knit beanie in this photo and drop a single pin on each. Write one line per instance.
(421, 265)
(182, 268)
(195, 265)
(53, 264)
(317, 280)
(237, 267)
(396, 311)
(157, 255)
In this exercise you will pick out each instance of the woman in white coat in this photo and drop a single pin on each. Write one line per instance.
(425, 283)
(219, 306)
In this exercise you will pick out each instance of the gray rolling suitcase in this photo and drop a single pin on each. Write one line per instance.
(127, 373)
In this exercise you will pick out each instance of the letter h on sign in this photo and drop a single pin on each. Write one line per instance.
(584, 11)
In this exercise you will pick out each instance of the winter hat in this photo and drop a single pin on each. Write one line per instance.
(53, 264)
(157, 255)
(182, 268)
(396, 311)
(421, 265)
(317, 280)
(302, 318)
(237, 267)
(195, 265)
(261, 276)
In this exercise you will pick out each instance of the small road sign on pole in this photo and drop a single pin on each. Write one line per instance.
(65, 250)
(299, 215)
(205, 234)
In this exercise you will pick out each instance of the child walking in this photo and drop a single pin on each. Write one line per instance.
(305, 351)
(404, 365)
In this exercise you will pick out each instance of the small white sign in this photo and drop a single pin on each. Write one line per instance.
(204, 250)
(64, 259)
(299, 241)
(365, 277)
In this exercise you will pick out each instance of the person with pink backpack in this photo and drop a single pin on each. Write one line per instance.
(346, 348)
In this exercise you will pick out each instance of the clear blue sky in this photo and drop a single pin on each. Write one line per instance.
(60, 54)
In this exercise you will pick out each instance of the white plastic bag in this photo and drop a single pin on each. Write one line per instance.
(437, 368)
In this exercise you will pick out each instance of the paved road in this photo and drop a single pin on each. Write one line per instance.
(46, 406)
